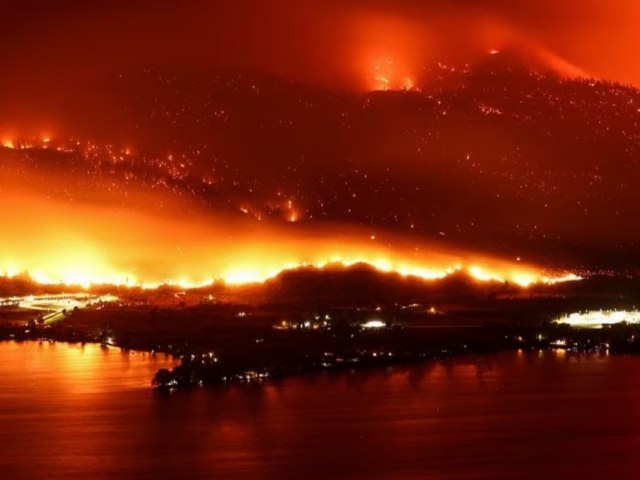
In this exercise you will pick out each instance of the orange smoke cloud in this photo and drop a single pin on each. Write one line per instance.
(131, 242)
(390, 52)
(387, 51)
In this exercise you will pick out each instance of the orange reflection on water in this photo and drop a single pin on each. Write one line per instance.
(80, 369)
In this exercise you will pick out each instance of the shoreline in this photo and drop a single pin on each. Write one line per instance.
(192, 372)
(230, 344)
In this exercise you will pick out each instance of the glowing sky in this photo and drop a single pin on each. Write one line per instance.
(86, 38)
(155, 140)
(119, 235)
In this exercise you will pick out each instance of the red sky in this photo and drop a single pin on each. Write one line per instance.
(46, 45)
(531, 165)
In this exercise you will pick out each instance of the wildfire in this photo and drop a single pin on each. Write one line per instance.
(85, 274)
(76, 244)
(26, 142)
(387, 75)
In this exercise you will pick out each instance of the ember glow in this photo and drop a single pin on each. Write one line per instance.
(99, 227)
(261, 189)
(385, 76)
(55, 242)
(428, 141)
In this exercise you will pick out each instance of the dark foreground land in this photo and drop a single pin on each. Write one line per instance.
(222, 342)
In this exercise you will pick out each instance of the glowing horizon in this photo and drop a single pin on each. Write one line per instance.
(88, 277)
(122, 238)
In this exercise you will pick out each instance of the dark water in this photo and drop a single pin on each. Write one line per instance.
(68, 412)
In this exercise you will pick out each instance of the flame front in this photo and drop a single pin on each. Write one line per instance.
(129, 235)
(86, 244)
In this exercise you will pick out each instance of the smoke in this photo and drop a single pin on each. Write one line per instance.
(46, 49)
(120, 235)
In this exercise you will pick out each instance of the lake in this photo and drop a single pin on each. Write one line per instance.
(71, 411)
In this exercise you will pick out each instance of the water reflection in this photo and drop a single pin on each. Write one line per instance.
(78, 368)
(88, 413)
